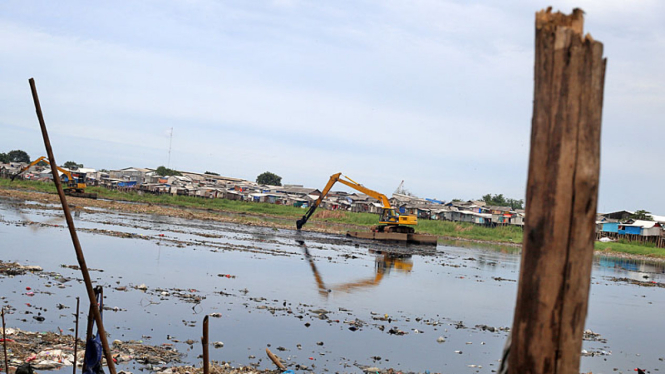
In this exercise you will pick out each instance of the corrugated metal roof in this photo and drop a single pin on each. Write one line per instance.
(643, 224)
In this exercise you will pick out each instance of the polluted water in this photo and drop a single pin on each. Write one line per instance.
(321, 302)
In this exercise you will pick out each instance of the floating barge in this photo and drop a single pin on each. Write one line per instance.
(395, 237)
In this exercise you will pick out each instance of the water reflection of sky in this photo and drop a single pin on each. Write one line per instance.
(453, 284)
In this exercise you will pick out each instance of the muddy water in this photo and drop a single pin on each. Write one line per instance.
(369, 304)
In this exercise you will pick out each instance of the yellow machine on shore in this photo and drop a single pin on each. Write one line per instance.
(390, 220)
(74, 182)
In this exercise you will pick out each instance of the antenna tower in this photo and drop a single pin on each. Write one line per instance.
(168, 164)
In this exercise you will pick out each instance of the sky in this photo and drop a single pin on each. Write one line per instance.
(437, 94)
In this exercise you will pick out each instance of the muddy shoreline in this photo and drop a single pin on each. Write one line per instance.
(261, 220)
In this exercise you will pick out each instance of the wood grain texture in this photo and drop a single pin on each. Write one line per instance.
(561, 198)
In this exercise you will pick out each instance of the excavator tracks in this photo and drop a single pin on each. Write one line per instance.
(395, 229)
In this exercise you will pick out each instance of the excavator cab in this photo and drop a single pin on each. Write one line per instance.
(389, 216)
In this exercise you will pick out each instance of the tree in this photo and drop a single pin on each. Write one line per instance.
(211, 173)
(515, 204)
(4, 158)
(269, 178)
(165, 172)
(18, 155)
(500, 200)
(72, 165)
(642, 215)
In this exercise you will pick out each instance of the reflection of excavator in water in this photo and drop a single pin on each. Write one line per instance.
(74, 182)
(384, 263)
(390, 220)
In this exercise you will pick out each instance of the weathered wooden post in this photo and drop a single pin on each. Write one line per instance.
(561, 197)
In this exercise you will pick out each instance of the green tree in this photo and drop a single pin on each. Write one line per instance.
(642, 215)
(500, 200)
(516, 204)
(269, 178)
(18, 155)
(165, 172)
(211, 173)
(4, 158)
(72, 165)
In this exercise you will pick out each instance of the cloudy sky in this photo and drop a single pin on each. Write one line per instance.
(435, 93)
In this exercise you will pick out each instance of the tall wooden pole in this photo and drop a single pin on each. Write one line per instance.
(561, 197)
(72, 231)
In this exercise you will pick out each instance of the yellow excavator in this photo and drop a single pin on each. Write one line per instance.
(73, 182)
(390, 220)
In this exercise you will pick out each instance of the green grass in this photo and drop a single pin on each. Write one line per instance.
(506, 234)
(635, 249)
(351, 218)
(27, 185)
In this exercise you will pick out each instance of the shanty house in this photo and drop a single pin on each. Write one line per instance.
(482, 218)
(468, 216)
(361, 202)
(230, 194)
(452, 215)
(298, 190)
(610, 226)
(518, 217)
(643, 228)
(418, 211)
(500, 214)
(130, 174)
(439, 214)
(621, 215)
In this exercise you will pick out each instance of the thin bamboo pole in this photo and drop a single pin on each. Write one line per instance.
(4, 341)
(206, 345)
(76, 333)
(72, 231)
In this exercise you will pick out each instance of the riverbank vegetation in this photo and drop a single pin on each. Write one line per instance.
(444, 229)
(623, 246)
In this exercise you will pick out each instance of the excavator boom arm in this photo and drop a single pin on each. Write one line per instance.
(333, 178)
(351, 183)
(377, 195)
(63, 171)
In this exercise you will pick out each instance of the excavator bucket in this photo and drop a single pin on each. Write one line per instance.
(301, 222)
